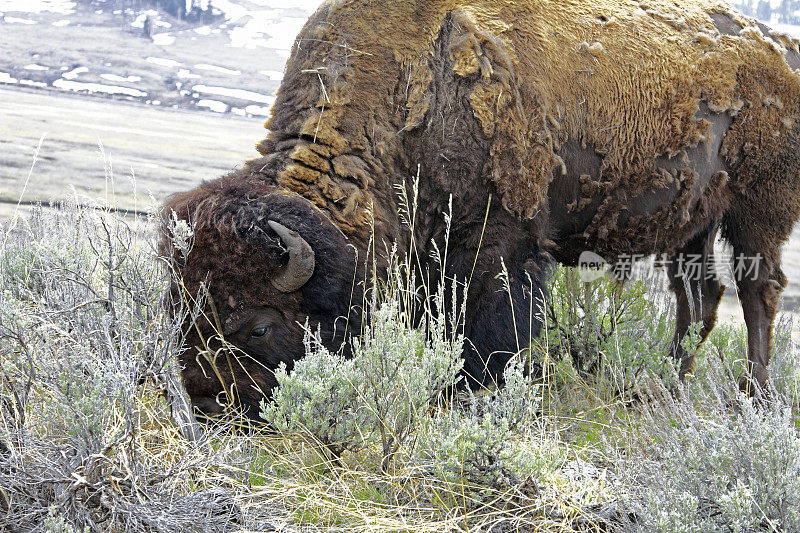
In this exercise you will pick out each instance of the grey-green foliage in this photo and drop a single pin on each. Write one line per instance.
(607, 328)
(784, 367)
(475, 444)
(395, 373)
(319, 398)
(403, 369)
(80, 297)
(728, 343)
(56, 523)
(734, 474)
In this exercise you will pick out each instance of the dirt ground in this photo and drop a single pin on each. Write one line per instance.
(167, 151)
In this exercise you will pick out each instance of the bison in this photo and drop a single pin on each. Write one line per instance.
(620, 127)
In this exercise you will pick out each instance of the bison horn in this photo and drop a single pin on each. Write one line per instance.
(301, 260)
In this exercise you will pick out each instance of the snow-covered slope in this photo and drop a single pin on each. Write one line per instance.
(232, 65)
(253, 24)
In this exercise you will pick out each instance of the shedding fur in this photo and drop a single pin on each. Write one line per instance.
(543, 73)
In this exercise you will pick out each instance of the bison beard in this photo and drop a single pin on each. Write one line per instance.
(553, 128)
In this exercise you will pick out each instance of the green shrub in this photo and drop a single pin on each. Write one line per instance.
(607, 329)
(476, 444)
(55, 523)
(319, 398)
(395, 374)
(403, 370)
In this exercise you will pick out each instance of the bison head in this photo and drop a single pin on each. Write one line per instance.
(269, 263)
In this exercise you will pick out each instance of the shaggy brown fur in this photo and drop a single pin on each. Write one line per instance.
(616, 126)
(536, 82)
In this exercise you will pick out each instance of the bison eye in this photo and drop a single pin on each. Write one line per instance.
(259, 332)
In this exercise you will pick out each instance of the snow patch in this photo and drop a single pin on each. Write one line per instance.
(163, 62)
(16, 20)
(187, 74)
(257, 110)
(234, 93)
(61, 23)
(267, 28)
(309, 6)
(282, 34)
(35, 66)
(62, 7)
(202, 4)
(267, 31)
(5, 77)
(789, 29)
(74, 73)
(163, 39)
(203, 30)
(78, 86)
(154, 18)
(32, 83)
(274, 75)
(214, 105)
(121, 79)
(139, 21)
(221, 70)
(232, 10)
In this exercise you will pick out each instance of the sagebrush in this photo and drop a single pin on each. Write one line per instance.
(96, 432)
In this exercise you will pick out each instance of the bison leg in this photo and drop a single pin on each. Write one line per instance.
(756, 242)
(697, 289)
(759, 293)
(503, 318)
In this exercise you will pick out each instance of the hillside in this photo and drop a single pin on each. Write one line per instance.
(233, 64)
(147, 152)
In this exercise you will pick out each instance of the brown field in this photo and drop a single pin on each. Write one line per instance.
(167, 151)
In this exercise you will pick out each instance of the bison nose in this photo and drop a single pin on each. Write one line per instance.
(207, 405)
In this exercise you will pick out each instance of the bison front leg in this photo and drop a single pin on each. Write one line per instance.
(504, 314)
(697, 289)
(759, 293)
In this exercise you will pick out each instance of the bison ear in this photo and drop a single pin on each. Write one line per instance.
(321, 260)
(301, 263)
